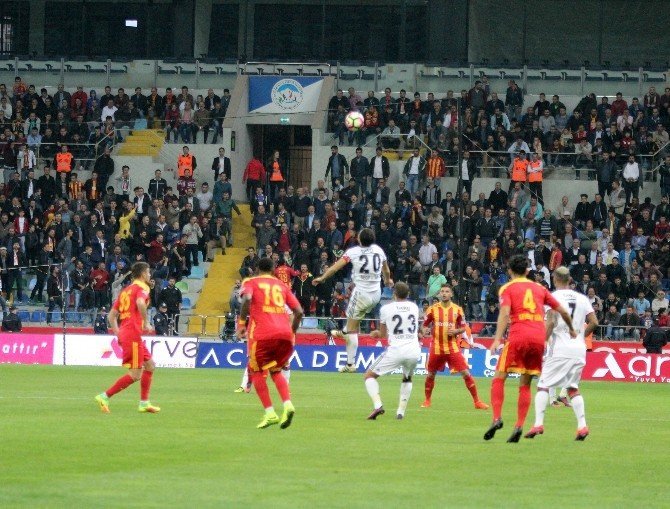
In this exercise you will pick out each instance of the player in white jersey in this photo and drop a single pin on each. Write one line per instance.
(369, 265)
(566, 357)
(399, 322)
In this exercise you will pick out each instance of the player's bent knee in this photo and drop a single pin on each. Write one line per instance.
(573, 393)
(149, 365)
(370, 374)
(135, 374)
(406, 379)
(542, 389)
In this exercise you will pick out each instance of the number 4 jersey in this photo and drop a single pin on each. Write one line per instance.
(367, 266)
(526, 300)
(268, 318)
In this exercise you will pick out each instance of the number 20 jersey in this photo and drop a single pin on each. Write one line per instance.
(268, 318)
(366, 272)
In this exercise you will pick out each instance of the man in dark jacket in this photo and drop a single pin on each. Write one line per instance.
(360, 171)
(48, 186)
(100, 324)
(654, 340)
(104, 167)
(303, 289)
(379, 167)
(171, 296)
(606, 171)
(162, 321)
(337, 167)
(11, 321)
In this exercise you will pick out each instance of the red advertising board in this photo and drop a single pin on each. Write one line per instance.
(623, 367)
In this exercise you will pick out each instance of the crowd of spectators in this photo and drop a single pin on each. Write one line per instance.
(617, 249)
(76, 229)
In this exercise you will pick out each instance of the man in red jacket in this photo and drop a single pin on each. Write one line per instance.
(254, 176)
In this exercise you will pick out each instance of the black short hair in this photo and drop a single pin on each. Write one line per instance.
(366, 237)
(518, 264)
(266, 265)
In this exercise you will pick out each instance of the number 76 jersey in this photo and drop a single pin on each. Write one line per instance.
(367, 266)
(268, 318)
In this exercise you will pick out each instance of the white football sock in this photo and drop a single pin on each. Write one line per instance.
(541, 402)
(245, 378)
(563, 393)
(372, 386)
(270, 410)
(405, 393)
(552, 394)
(352, 347)
(578, 409)
(287, 374)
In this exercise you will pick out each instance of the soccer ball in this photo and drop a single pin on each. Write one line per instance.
(354, 120)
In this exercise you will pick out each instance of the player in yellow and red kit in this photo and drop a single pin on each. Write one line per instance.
(448, 324)
(522, 307)
(131, 309)
(270, 337)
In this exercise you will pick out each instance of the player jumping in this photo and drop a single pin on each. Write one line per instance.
(369, 264)
(522, 308)
(270, 337)
(131, 308)
(448, 324)
(399, 322)
(566, 357)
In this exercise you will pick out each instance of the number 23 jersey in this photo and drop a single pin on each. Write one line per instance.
(526, 300)
(268, 318)
(367, 266)
(402, 322)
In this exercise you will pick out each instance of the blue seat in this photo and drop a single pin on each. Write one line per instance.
(24, 316)
(140, 123)
(197, 272)
(56, 316)
(38, 316)
(200, 258)
(71, 316)
(186, 303)
(502, 279)
(387, 293)
(486, 279)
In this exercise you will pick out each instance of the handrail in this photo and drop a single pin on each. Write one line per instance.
(380, 136)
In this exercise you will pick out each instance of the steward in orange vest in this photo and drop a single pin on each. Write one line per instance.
(64, 163)
(185, 162)
(518, 170)
(535, 169)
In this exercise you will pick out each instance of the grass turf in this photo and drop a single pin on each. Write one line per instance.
(203, 450)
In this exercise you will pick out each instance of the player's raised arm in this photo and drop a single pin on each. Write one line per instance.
(113, 321)
(331, 271)
(501, 326)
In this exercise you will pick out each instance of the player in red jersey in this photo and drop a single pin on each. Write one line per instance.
(448, 325)
(522, 308)
(284, 272)
(131, 309)
(270, 337)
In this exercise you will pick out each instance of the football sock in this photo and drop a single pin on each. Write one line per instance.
(472, 387)
(145, 384)
(552, 393)
(541, 402)
(578, 409)
(282, 386)
(352, 347)
(497, 397)
(119, 385)
(372, 386)
(428, 387)
(405, 393)
(523, 405)
(287, 374)
(261, 386)
(563, 393)
(245, 378)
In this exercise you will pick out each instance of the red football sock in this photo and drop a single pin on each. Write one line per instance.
(119, 385)
(261, 386)
(523, 405)
(428, 388)
(282, 386)
(145, 384)
(472, 387)
(497, 397)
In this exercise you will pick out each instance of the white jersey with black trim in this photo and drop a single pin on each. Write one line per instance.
(561, 344)
(402, 322)
(367, 263)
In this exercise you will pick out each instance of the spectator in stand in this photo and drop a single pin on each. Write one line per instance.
(11, 322)
(631, 178)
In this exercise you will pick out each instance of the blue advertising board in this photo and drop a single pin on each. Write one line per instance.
(271, 94)
(329, 358)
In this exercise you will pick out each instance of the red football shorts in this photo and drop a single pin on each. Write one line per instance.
(269, 355)
(135, 354)
(438, 361)
(521, 356)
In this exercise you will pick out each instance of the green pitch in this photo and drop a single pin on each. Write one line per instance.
(203, 449)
